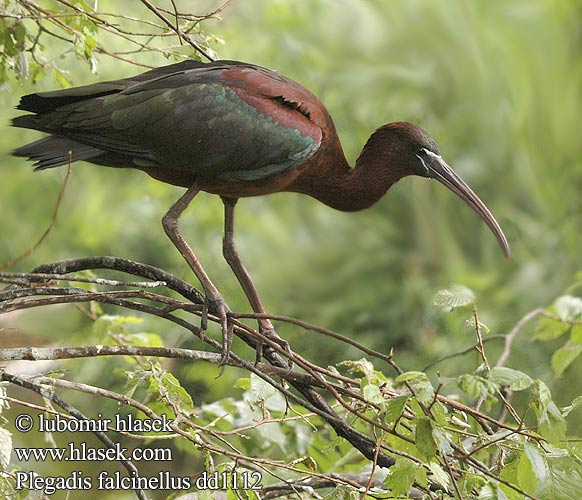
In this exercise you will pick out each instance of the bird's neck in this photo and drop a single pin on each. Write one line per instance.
(333, 182)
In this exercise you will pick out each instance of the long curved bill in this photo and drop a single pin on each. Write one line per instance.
(439, 170)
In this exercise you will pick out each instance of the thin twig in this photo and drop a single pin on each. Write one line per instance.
(188, 39)
(36, 277)
(514, 331)
(374, 465)
(457, 354)
(119, 298)
(38, 388)
(452, 476)
(52, 222)
(315, 328)
(480, 347)
(21, 295)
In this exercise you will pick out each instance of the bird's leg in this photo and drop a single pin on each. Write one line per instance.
(213, 297)
(244, 278)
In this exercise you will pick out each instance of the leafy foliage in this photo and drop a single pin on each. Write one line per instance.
(564, 317)
(443, 435)
(34, 37)
(453, 297)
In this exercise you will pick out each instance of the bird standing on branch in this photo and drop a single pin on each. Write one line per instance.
(232, 129)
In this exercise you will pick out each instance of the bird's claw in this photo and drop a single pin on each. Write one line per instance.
(272, 335)
(217, 305)
(227, 328)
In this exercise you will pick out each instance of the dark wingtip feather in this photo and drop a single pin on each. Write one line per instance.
(24, 121)
(17, 152)
(38, 166)
(53, 151)
(32, 102)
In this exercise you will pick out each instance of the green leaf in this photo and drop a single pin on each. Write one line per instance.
(439, 474)
(244, 494)
(308, 462)
(208, 461)
(411, 376)
(260, 390)
(483, 328)
(204, 495)
(372, 394)
(551, 422)
(394, 408)
(576, 333)
(243, 383)
(4, 405)
(440, 413)
(37, 72)
(421, 476)
(541, 395)
(568, 307)
(143, 339)
(343, 493)
(167, 388)
(19, 34)
(89, 46)
(532, 470)
(457, 422)
(577, 403)
(421, 384)
(442, 440)
(425, 442)
(492, 491)
(453, 297)
(516, 380)
(401, 477)
(5, 448)
(360, 366)
(550, 473)
(475, 386)
(62, 80)
(538, 463)
(565, 475)
(564, 357)
(107, 325)
(366, 368)
(469, 483)
(82, 4)
(550, 329)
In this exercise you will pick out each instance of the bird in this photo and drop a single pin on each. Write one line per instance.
(235, 130)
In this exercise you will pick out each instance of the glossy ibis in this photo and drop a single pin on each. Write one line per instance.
(235, 130)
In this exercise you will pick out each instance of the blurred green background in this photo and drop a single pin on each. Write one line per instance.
(497, 84)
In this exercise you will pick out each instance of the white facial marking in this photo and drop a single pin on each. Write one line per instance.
(426, 151)
(434, 155)
(423, 164)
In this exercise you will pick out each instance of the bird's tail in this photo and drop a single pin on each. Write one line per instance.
(55, 151)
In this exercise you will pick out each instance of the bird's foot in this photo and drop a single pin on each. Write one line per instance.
(271, 334)
(217, 305)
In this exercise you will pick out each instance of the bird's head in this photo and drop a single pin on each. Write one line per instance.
(418, 154)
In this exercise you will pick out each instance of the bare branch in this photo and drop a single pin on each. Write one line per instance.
(39, 389)
(26, 278)
(309, 386)
(514, 331)
(176, 28)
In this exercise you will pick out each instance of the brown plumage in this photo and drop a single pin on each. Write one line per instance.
(235, 130)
